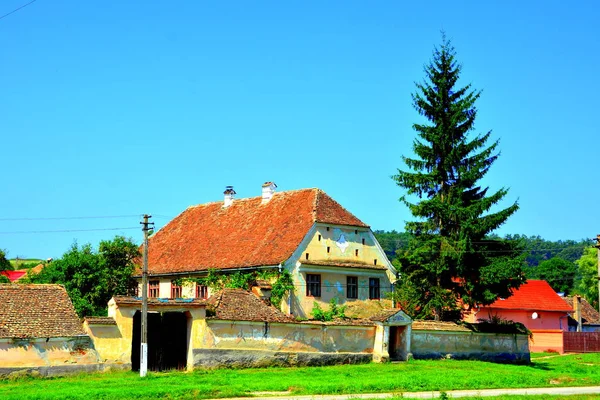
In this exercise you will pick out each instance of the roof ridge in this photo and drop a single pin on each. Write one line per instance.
(291, 191)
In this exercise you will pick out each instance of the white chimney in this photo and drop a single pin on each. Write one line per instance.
(229, 193)
(268, 189)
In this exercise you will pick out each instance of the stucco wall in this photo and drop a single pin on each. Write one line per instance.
(344, 249)
(427, 344)
(53, 356)
(257, 343)
(546, 329)
(333, 285)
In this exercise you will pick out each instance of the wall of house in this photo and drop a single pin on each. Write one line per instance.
(432, 344)
(246, 344)
(49, 356)
(329, 243)
(164, 288)
(343, 244)
(544, 320)
(333, 285)
(546, 329)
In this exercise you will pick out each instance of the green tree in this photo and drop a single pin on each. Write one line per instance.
(92, 278)
(587, 276)
(558, 272)
(4, 263)
(451, 257)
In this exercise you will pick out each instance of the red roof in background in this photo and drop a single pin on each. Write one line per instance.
(533, 295)
(17, 274)
(248, 233)
(14, 275)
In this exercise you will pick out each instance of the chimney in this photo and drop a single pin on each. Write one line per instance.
(268, 189)
(229, 193)
(577, 311)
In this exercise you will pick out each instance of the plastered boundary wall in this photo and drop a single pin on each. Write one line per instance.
(431, 344)
(50, 356)
(252, 344)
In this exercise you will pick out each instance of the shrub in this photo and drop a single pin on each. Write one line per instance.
(335, 311)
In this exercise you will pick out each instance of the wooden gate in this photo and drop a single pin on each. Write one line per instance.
(581, 342)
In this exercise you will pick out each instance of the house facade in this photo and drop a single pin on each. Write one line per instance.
(537, 306)
(328, 251)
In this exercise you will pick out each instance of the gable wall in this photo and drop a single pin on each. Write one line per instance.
(343, 242)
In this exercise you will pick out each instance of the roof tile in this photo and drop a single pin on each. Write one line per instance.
(248, 233)
(240, 305)
(37, 311)
(533, 295)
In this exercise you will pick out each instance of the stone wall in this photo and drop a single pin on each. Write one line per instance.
(432, 344)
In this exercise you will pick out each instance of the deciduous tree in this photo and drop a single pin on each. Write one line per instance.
(587, 276)
(92, 278)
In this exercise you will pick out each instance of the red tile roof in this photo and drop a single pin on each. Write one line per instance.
(248, 233)
(37, 311)
(13, 275)
(18, 274)
(240, 305)
(533, 295)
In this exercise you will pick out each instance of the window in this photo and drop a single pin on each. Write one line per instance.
(201, 292)
(363, 241)
(374, 289)
(313, 285)
(356, 253)
(153, 288)
(176, 290)
(328, 249)
(352, 287)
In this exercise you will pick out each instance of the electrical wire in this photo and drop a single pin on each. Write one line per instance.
(17, 9)
(70, 230)
(69, 218)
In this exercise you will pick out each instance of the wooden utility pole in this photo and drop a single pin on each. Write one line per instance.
(144, 338)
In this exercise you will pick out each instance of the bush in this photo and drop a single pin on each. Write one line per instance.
(335, 311)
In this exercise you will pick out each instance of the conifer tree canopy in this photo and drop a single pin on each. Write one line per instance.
(452, 260)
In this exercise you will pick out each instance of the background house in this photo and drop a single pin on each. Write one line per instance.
(40, 331)
(590, 318)
(328, 251)
(537, 306)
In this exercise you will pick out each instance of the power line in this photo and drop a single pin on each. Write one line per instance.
(17, 9)
(69, 230)
(68, 218)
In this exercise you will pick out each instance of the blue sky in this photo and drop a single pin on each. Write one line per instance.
(124, 108)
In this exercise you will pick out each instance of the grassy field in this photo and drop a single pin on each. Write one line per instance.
(24, 262)
(571, 370)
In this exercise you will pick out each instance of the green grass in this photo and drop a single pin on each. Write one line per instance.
(24, 262)
(571, 370)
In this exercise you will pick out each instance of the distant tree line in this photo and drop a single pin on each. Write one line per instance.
(569, 266)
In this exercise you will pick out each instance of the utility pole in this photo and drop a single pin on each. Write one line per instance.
(598, 248)
(144, 339)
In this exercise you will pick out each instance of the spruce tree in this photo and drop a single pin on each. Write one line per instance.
(452, 261)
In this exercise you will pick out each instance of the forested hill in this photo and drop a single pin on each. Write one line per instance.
(569, 266)
(537, 248)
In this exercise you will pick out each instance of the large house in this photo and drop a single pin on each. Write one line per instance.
(329, 252)
(537, 306)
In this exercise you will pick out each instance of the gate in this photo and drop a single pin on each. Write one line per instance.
(581, 342)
